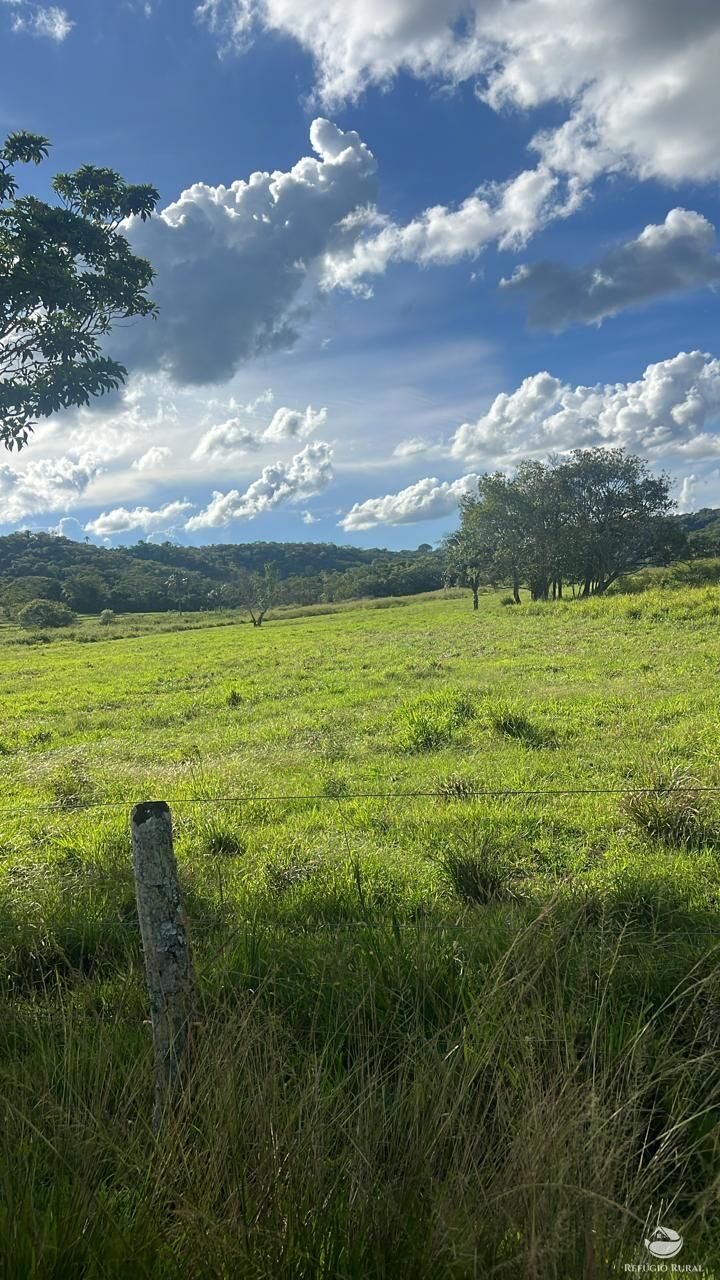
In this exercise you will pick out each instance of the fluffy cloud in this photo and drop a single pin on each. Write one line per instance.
(40, 20)
(638, 80)
(679, 254)
(505, 213)
(306, 474)
(121, 520)
(673, 410)
(228, 439)
(232, 261)
(154, 458)
(289, 424)
(45, 484)
(427, 499)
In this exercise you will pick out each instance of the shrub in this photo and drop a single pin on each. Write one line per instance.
(107, 617)
(45, 613)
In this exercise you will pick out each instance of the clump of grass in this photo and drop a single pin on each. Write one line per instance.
(280, 879)
(234, 698)
(644, 899)
(218, 839)
(334, 786)
(71, 783)
(480, 871)
(674, 811)
(432, 722)
(457, 787)
(511, 722)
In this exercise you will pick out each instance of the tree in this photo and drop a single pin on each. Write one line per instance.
(583, 520)
(85, 592)
(256, 592)
(470, 551)
(176, 586)
(45, 613)
(66, 276)
(618, 517)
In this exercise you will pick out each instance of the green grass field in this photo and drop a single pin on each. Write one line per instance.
(452, 1034)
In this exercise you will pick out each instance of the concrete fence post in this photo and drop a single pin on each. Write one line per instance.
(168, 963)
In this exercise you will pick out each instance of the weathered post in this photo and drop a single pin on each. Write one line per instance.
(168, 963)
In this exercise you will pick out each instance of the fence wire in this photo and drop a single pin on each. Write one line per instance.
(324, 796)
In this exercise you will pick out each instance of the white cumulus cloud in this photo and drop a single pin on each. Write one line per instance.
(637, 81)
(427, 499)
(506, 213)
(121, 519)
(229, 439)
(226, 440)
(153, 458)
(309, 472)
(673, 410)
(45, 484)
(231, 261)
(290, 424)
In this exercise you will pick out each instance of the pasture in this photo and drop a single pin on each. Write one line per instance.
(459, 980)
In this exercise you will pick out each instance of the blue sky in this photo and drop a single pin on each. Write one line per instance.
(477, 231)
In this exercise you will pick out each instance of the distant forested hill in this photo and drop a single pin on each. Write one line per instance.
(703, 530)
(151, 576)
(159, 576)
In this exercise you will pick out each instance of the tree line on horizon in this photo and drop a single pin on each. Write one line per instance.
(160, 577)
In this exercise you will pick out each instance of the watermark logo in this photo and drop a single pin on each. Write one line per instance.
(664, 1243)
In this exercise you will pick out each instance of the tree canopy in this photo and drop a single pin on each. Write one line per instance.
(578, 522)
(66, 275)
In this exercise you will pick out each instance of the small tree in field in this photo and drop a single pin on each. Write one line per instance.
(256, 592)
(66, 275)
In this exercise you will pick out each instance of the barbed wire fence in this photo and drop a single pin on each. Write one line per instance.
(320, 796)
(169, 967)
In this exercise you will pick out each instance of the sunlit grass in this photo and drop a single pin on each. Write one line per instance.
(462, 1033)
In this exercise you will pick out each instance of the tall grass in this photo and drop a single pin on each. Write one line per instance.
(453, 1022)
(507, 1099)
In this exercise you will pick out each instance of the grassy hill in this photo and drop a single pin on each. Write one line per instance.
(459, 980)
